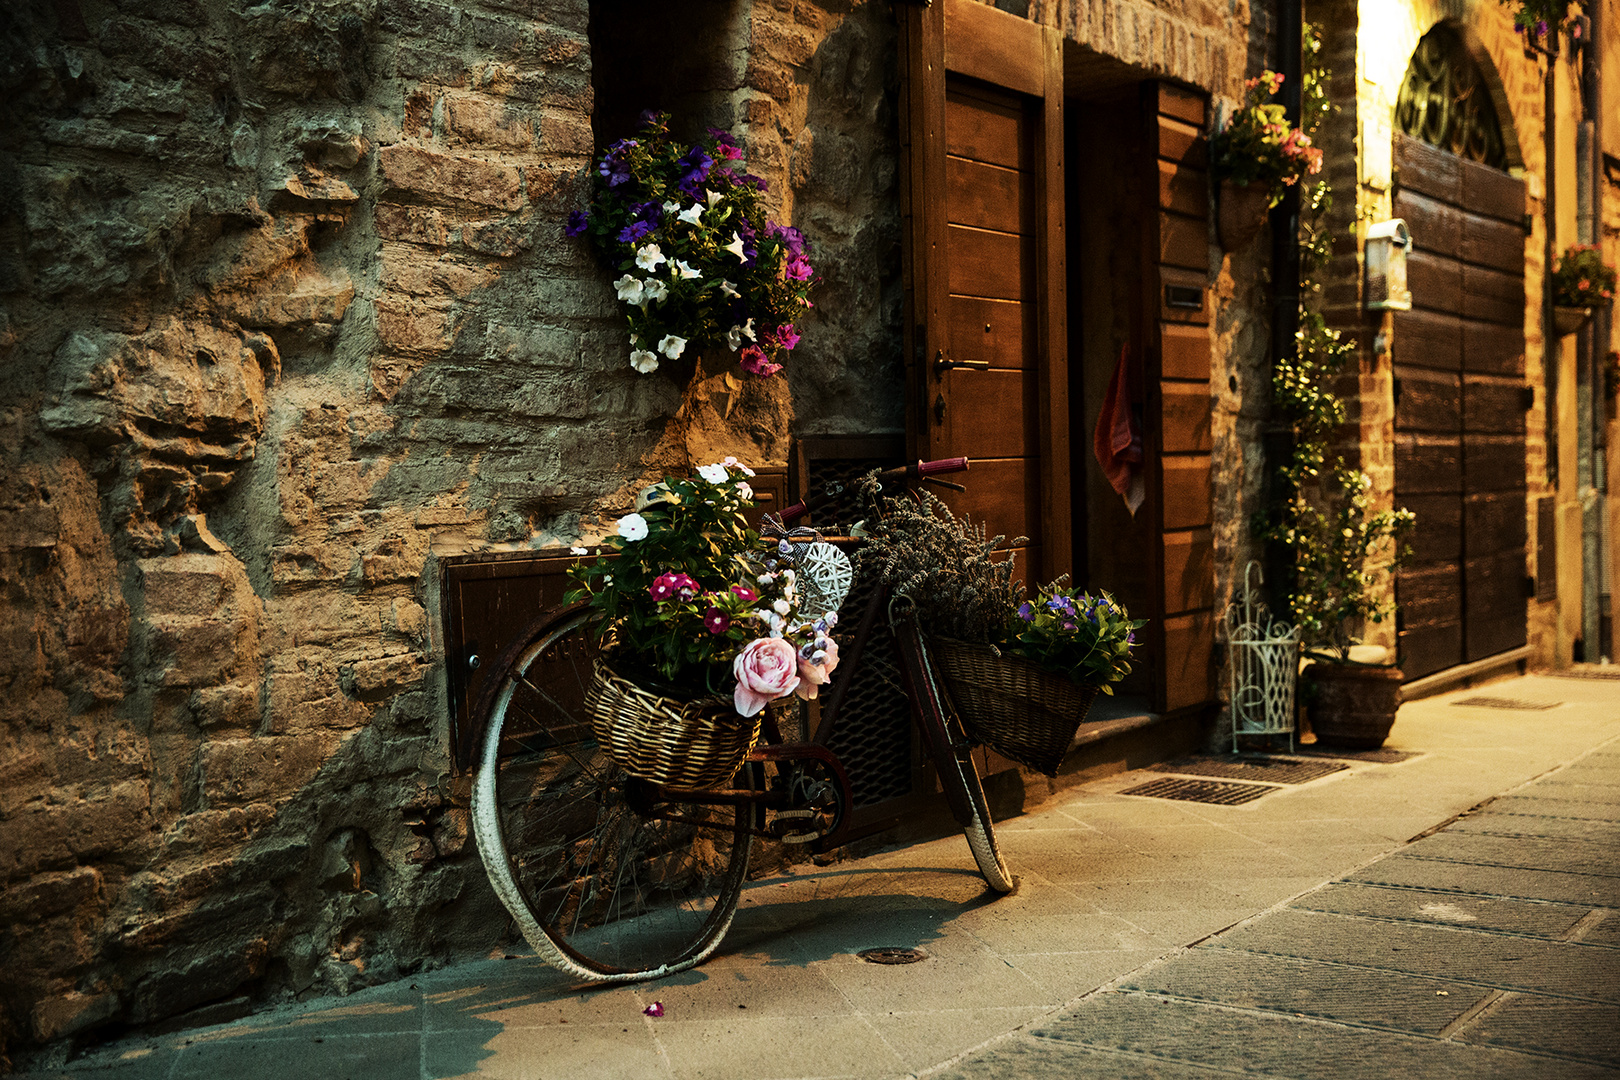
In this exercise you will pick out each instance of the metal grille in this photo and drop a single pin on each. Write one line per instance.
(845, 509)
(873, 736)
(1507, 703)
(1201, 791)
(1271, 770)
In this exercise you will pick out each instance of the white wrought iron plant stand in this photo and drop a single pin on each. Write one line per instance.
(1264, 654)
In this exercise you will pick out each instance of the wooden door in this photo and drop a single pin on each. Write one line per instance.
(985, 322)
(1460, 401)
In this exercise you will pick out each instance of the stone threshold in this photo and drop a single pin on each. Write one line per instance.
(1502, 665)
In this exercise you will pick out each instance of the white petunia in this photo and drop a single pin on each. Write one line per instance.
(671, 206)
(633, 527)
(629, 288)
(714, 198)
(729, 289)
(734, 338)
(691, 214)
(736, 246)
(672, 346)
(686, 271)
(577, 550)
(714, 474)
(748, 330)
(654, 291)
(650, 256)
(643, 361)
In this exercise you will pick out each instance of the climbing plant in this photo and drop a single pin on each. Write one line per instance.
(1324, 518)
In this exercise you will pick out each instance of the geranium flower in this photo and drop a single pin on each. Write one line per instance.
(629, 288)
(633, 527)
(643, 361)
(672, 346)
(649, 257)
(716, 621)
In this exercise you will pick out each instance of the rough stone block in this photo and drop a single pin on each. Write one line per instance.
(405, 328)
(260, 770)
(474, 121)
(26, 527)
(46, 895)
(63, 1014)
(425, 172)
(412, 224)
(234, 706)
(198, 652)
(374, 680)
(189, 585)
(566, 132)
(502, 237)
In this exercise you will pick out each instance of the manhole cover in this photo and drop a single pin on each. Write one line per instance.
(1204, 791)
(1507, 703)
(891, 954)
(1267, 769)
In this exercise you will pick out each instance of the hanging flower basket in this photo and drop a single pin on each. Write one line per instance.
(1567, 319)
(1023, 712)
(1242, 213)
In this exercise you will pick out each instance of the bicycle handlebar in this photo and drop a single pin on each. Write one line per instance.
(917, 470)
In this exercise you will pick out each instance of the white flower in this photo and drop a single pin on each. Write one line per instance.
(654, 291)
(650, 256)
(577, 550)
(714, 474)
(671, 206)
(736, 247)
(691, 214)
(789, 576)
(633, 527)
(748, 330)
(714, 198)
(729, 289)
(672, 346)
(643, 361)
(782, 606)
(734, 338)
(686, 271)
(629, 289)
(735, 464)
(744, 490)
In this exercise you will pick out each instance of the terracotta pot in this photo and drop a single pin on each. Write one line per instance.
(1567, 320)
(1242, 213)
(1353, 705)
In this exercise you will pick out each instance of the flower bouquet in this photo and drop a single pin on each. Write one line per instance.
(1021, 673)
(1256, 158)
(701, 627)
(696, 262)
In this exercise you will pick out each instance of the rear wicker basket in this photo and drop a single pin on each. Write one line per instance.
(684, 744)
(1022, 712)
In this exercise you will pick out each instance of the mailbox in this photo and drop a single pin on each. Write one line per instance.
(1388, 244)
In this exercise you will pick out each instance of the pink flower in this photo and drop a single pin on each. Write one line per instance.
(744, 593)
(755, 362)
(813, 674)
(766, 669)
(667, 585)
(717, 621)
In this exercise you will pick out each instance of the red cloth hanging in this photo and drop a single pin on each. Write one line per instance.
(1118, 440)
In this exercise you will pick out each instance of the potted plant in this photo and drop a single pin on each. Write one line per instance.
(694, 260)
(1256, 157)
(1581, 282)
(701, 627)
(1342, 554)
(1022, 674)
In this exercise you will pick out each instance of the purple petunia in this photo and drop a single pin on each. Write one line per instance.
(578, 222)
(615, 164)
(644, 218)
(725, 147)
(797, 269)
(696, 164)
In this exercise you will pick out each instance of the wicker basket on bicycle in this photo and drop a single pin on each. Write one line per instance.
(1021, 711)
(684, 744)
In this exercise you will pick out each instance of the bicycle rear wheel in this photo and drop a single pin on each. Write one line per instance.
(954, 762)
(603, 880)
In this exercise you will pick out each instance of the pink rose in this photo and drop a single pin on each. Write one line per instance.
(766, 669)
(813, 674)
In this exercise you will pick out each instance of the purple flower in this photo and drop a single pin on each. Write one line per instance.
(1026, 611)
(696, 164)
(797, 269)
(615, 164)
(725, 147)
(717, 621)
(1068, 625)
(791, 238)
(578, 222)
(644, 218)
(1541, 28)
(785, 336)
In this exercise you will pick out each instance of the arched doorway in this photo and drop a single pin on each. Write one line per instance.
(1460, 395)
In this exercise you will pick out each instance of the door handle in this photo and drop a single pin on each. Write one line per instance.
(943, 363)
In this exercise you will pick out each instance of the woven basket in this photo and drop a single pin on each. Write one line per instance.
(685, 744)
(1021, 711)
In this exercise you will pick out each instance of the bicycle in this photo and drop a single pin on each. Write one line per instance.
(615, 878)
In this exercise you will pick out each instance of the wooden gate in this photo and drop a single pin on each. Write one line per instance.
(1460, 402)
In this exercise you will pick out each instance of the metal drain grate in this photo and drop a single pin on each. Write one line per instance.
(1508, 703)
(1270, 770)
(1382, 757)
(1204, 791)
(892, 954)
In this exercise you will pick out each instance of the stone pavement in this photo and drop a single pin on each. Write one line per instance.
(1450, 914)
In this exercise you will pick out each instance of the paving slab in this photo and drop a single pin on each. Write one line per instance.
(1493, 881)
(1572, 1028)
(1544, 920)
(1504, 824)
(1525, 852)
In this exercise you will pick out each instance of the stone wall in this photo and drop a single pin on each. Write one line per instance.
(285, 315)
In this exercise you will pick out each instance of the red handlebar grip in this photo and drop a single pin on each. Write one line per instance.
(943, 465)
(793, 511)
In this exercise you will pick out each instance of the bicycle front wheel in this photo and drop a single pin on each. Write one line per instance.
(603, 879)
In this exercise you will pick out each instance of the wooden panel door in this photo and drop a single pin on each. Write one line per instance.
(1459, 410)
(986, 337)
